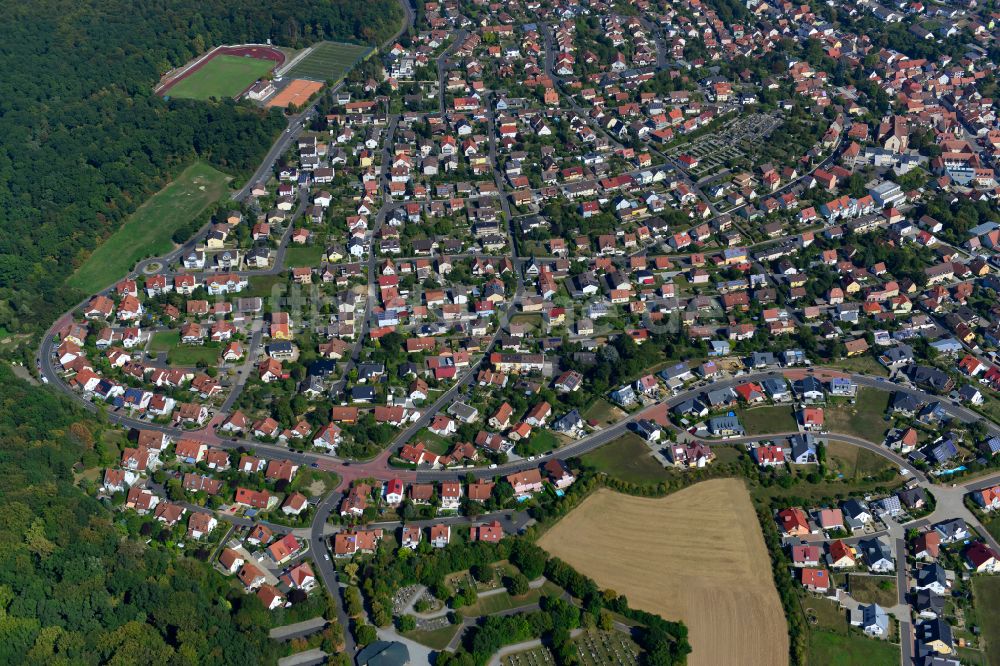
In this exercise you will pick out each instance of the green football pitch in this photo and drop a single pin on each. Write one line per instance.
(222, 77)
(328, 61)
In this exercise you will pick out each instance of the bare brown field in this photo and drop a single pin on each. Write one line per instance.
(297, 92)
(697, 555)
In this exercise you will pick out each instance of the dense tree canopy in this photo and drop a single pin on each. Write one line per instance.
(83, 141)
(78, 585)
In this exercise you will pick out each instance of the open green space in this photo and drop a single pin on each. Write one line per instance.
(853, 462)
(603, 412)
(436, 639)
(328, 61)
(864, 419)
(222, 77)
(768, 420)
(835, 649)
(972, 656)
(304, 255)
(824, 614)
(531, 319)
(499, 570)
(192, 355)
(865, 364)
(832, 641)
(164, 341)
(879, 590)
(628, 459)
(502, 601)
(314, 482)
(261, 286)
(993, 527)
(986, 594)
(541, 441)
(434, 443)
(991, 405)
(148, 231)
(821, 490)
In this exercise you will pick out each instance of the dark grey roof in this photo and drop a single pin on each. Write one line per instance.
(384, 653)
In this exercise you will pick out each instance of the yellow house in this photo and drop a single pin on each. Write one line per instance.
(901, 306)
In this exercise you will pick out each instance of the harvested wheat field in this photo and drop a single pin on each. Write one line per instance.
(697, 555)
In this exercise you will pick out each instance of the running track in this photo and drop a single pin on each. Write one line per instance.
(259, 52)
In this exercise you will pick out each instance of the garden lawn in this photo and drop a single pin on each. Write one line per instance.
(222, 77)
(149, 230)
(628, 459)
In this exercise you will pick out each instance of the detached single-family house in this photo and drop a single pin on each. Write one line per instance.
(877, 555)
(872, 619)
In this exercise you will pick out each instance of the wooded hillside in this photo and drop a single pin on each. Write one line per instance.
(78, 584)
(83, 140)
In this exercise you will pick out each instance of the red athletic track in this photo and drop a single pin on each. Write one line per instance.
(261, 52)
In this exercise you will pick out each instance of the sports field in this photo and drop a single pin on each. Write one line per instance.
(222, 77)
(297, 92)
(697, 555)
(148, 231)
(328, 61)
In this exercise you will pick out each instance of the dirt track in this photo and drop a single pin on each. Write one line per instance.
(697, 555)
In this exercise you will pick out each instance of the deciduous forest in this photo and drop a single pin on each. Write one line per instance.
(83, 140)
(77, 584)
